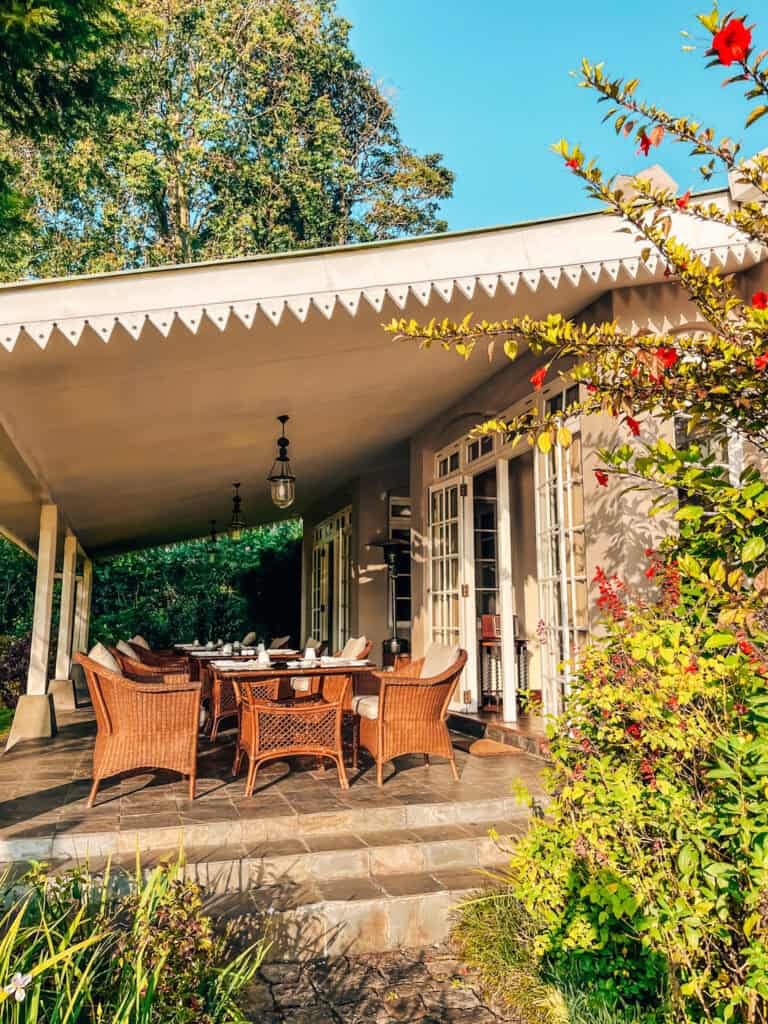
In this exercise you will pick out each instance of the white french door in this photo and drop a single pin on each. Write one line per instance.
(332, 580)
(451, 586)
(560, 547)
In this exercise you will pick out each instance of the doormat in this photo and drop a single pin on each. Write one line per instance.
(492, 748)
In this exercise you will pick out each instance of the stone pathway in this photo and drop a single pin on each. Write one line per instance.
(432, 987)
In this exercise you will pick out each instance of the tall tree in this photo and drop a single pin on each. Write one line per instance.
(56, 69)
(249, 126)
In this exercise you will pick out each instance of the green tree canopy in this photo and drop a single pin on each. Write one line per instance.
(57, 68)
(248, 126)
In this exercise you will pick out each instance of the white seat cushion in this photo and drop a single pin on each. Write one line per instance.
(249, 638)
(367, 706)
(300, 684)
(438, 659)
(139, 641)
(278, 641)
(354, 647)
(127, 650)
(101, 656)
(314, 644)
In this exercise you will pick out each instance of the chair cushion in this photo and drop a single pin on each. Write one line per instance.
(438, 659)
(278, 641)
(139, 641)
(249, 639)
(101, 656)
(300, 684)
(367, 706)
(354, 647)
(127, 650)
(314, 644)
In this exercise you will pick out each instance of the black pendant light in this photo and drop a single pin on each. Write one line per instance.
(237, 525)
(281, 479)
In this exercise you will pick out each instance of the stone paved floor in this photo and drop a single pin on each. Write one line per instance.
(432, 987)
(44, 787)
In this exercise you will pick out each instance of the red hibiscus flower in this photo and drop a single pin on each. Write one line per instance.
(650, 572)
(537, 379)
(633, 425)
(634, 731)
(649, 552)
(668, 356)
(732, 42)
(761, 361)
(746, 647)
(602, 478)
(573, 163)
(682, 202)
(691, 666)
(760, 300)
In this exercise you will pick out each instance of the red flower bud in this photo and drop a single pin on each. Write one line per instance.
(633, 425)
(602, 478)
(761, 361)
(760, 300)
(682, 202)
(537, 379)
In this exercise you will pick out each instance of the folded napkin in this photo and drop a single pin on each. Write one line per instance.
(280, 650)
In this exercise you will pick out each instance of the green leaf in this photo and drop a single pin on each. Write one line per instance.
(753, 549)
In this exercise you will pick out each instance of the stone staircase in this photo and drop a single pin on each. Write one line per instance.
(363, 880)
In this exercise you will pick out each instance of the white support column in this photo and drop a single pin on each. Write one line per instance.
(34, 717)
(83, 607)
(66, 608)
(506, 592)
(62, 689)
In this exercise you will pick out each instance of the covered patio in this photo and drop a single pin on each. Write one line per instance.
(131, 401)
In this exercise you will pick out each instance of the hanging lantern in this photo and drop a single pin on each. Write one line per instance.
(237, 525)
(282, 481)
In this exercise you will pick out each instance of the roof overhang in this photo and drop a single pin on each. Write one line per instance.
(133, 400)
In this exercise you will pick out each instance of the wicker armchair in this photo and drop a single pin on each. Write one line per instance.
(141, 725)
(142, 672)
(272, 730)
(408, 715)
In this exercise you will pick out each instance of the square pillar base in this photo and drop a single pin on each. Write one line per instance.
(34, 719)
(62, 692)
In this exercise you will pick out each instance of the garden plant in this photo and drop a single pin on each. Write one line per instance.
(77, 948)
(647, 884)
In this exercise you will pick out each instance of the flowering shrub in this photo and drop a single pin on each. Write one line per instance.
(651, 875)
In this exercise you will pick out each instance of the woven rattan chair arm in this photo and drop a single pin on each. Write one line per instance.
(302, 707)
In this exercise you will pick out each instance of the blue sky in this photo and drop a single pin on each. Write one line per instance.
(487, 84)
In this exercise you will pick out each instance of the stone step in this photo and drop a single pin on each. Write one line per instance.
(332, 856)
(204, 826)
(379, 914)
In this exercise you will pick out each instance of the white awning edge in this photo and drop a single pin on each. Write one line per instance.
(252, 290)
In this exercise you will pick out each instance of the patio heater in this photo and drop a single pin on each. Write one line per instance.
(394, 645)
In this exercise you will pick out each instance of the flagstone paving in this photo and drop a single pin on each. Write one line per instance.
(432, 987)
(44, 788)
